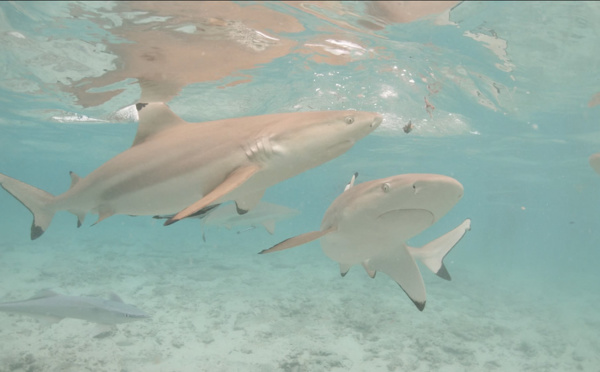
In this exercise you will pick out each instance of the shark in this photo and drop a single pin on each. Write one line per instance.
(264, 214)
(177, 167)
(53, 306)
(368, 224)
(595, 162)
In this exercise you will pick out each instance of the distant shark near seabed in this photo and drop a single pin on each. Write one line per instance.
(176, 167)
(55, 307)
(264, 214)
(595, 162)
(369, 224)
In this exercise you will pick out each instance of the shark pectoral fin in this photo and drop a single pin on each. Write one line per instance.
(269, 226)
(398, 263)
(80, 218)
(233, 181)
(432, 254)
(297, 240)
(245, 203)
(154, 118)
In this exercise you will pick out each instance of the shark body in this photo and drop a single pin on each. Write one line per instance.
(51, 305)
(264, 214)
(180, 168)
(369, 224)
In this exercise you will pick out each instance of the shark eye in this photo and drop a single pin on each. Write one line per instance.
(385, 187)
(349, 120)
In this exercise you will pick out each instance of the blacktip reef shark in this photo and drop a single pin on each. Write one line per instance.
(52, 306)
(369, 224)
(264, 214)
(177, 167)
(595, 162)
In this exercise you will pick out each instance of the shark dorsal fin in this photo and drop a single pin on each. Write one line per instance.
(154, 118)
(115, 297)
(351, 183)
(74, 179)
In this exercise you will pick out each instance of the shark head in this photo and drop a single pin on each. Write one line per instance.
(323, 135)
(407, 203)
(115, 311)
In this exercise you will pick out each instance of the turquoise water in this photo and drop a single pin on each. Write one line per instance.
(513, 116)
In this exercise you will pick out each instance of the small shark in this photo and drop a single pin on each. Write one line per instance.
(369, 224)
(595, 162)
(55, 307)
(264, 213)
(180, 168)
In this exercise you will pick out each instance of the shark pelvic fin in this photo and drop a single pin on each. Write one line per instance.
(233, 181)
(103, 213)
(245, 203)
(344, 268)
(154, 118)
(370, 272)
(269, 226)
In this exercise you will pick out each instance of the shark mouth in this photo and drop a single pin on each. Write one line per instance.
(409, 216)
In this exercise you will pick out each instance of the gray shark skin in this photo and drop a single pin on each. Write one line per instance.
(369, 224)
(51, 305)
(595, 162)
(180, 168)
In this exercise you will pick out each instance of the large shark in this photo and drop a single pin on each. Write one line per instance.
(176, 167)
(369, 224)
(53, 306)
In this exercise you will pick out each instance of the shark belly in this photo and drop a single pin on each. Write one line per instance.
(370, 235)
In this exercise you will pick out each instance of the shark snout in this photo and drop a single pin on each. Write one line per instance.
(376, 121)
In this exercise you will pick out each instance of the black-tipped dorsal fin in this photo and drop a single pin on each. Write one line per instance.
(154, 118)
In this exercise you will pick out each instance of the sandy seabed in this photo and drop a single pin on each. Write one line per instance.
(222, 307)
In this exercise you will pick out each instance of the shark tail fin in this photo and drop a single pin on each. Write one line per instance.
(432, 254)
(36, 200)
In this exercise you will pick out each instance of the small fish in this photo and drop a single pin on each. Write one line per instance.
(408, 127)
